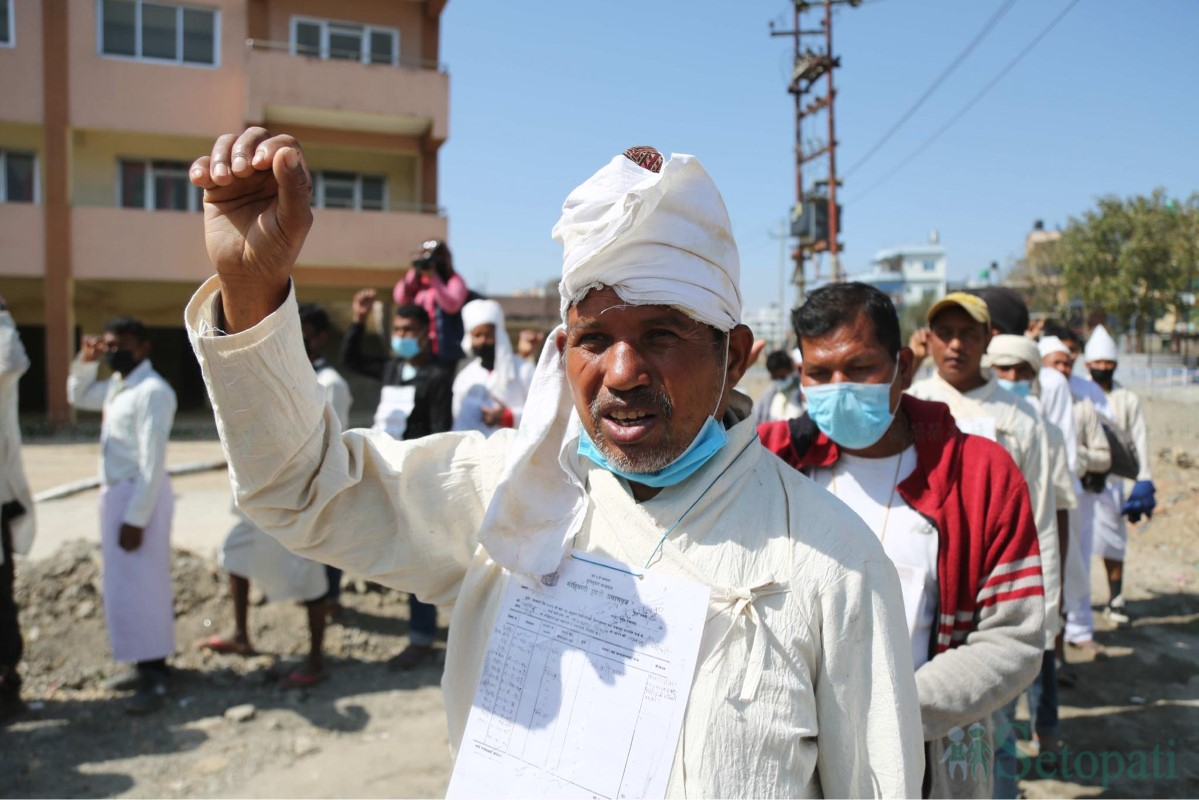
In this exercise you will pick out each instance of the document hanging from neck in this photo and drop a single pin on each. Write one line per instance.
(584, 685)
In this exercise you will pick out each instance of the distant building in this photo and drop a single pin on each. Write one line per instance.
(769, 324)
(106, 104)
(910, 274)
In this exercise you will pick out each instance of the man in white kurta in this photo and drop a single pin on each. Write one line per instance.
(491, 390)
(1108, 508)
(136, 503)
(16, 511)
(804, 683)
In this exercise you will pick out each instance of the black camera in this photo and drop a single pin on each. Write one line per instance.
(424, 263)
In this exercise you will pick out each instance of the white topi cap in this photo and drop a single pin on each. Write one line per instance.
(1101, 346)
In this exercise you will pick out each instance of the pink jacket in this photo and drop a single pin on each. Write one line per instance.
(429, 292)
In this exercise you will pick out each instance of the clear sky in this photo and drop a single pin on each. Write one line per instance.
(544, 92)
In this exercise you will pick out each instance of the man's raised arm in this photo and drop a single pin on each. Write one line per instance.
(356, 500)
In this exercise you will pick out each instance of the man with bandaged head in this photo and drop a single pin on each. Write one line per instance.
(632, 446)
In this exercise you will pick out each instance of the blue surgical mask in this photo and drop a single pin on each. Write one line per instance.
(405, 346)
(783, 384)
(707, 443)
(854, 415)
(1021, 388)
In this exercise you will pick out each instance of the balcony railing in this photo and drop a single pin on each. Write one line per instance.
(333, 54)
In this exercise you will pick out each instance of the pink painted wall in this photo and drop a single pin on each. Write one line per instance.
(277, 78)
(170, 245)
(22, 240)
(122, 94)
(22, 65)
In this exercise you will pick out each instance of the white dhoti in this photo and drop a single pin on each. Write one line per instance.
(282, 575)
(1076, 590)
(1110, 531)
(138, 603)
(1099, 525)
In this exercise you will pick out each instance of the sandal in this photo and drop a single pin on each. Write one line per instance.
(298, 679)
(219, 644)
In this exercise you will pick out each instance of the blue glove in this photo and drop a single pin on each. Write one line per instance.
(1140, 502)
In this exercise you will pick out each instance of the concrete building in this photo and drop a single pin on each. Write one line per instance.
(769, 324)
(909, 273)
(108, 101)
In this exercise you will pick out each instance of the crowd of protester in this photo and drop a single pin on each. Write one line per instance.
(888, 609)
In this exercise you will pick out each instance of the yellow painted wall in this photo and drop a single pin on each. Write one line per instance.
(94, 174)
(400, 169)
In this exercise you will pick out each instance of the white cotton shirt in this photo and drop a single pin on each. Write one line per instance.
(475, 389)
(337, 391)
(868, 486)
(138, 412)
(13, 363)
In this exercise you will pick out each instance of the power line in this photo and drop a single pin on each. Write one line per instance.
(974, 101)
(987, 27)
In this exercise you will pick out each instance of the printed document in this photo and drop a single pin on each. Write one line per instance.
(584, 685)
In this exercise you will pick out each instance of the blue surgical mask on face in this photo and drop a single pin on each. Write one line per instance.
(784, 384)
(405, 347)
(854, 415)
(707, 443)
(711, 438)
(1021, 388)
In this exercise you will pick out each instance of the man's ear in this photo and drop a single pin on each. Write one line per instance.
(741, 353)
(560, 342)
(907, 368)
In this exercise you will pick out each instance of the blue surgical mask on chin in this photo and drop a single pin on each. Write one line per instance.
(854, 415)
(711, 438)
(405, 347)
(1021, 388)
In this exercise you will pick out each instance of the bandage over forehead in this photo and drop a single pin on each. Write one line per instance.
(655, 237)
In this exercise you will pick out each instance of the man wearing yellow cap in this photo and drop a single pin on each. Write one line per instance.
(632, 448)
(959, 332)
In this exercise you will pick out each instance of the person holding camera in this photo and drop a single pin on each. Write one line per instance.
(433, 285)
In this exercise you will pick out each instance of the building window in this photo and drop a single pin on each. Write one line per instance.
(6, 24)
(349, 190)
(347, 41)
(930, 266)
(158, 186)
(18, 177)
(160, 32)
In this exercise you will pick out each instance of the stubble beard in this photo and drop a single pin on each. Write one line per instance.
(649, 459)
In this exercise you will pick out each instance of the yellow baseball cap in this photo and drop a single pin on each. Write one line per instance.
(973, 305)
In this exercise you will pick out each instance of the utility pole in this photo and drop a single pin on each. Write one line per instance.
(834, 256)
(817, 229)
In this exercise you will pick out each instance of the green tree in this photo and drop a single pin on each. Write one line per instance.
(1132, 257)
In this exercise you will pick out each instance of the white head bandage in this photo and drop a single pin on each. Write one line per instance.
(1050, 345)
(656, 237)
(1101, 346)
(1008, 350)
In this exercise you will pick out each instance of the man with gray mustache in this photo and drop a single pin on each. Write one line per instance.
(633, 447)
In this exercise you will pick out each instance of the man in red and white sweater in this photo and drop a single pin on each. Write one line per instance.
(951, 509)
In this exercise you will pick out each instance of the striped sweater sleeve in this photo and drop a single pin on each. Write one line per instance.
(998, 644)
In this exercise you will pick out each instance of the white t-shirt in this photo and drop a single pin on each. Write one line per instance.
(868, 486)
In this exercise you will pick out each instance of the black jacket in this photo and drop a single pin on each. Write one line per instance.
(432, 411)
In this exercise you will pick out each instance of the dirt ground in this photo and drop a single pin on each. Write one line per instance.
(1131, 722)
